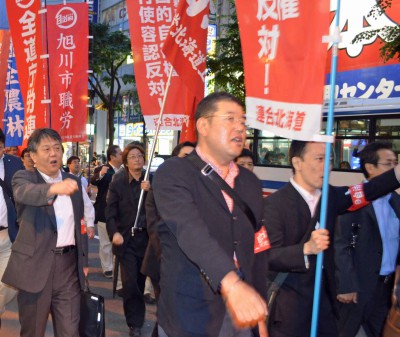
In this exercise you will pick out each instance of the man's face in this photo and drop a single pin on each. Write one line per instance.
(48, 156)
(135, 160)
(246, 162)
(185, 151)
(310, 169)
(27, 161)
(116, 160)
(224, 131)
(387, 160)
(75, 166)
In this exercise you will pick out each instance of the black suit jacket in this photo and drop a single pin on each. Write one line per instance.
(12, 164)
(102, 189)
(357, 269)
(198, 236)
(32, 257)
(287, 219)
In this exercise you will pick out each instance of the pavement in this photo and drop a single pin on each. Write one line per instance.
(115, 319)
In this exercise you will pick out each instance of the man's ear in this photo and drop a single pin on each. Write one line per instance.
(202, 126)
(369, 168)
(296, 163)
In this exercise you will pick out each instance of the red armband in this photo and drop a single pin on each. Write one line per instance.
(358, 197)
(83, 226)
(261, 241)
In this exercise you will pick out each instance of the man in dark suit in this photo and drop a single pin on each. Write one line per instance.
(292, 216)
(8, 219)
(367, 251)
(46, 263)
(101, 178)
(207, 242)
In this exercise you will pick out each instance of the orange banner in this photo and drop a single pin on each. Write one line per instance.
(26, 34)
(68, 30)
(284, 61)
(151, 23)
(4, 51)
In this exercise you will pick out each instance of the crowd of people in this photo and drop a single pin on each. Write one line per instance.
(205, 236)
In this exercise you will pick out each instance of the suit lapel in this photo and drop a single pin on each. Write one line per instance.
(394, 201)
(214, 190)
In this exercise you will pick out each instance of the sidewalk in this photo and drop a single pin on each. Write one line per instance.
(115, 320)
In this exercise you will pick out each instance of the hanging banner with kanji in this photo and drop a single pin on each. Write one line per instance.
(4, 51)
(26, 33)
(185, 48)
(68, 31)
(151, 21)
(14, 106)
(284, 62)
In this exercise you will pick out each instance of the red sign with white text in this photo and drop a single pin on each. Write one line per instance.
(68, 31)
(284, 61)
(26, 33)
(151, 21)
(4, 50)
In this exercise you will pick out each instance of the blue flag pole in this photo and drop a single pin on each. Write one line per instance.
(325, 184)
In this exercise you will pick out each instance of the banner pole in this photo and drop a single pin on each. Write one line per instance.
(153, 147)
(325, 185)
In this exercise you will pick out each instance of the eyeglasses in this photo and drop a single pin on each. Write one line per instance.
(231, 119)
(138, 156)
(389, 164)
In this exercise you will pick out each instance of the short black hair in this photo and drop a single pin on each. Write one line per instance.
(179, 147)
(24, 151)
(2, 137)
(208, 104)
(39, 134)
(245, 153)
(369, 154)
(70, 159)
(111, 151)
(296, 150)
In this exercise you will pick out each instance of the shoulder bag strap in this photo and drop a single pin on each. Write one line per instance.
(208, 171)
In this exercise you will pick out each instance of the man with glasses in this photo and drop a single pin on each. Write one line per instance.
(101, 178)
(208, 259)
(367, 252)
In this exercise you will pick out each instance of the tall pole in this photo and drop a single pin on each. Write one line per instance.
(153, 148)
(325, 184)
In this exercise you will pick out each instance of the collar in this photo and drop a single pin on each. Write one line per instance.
(307, 196)
(232, 169)
(51, 180)
(130, 177)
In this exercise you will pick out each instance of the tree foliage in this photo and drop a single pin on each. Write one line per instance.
(227, 64)
(391, 48)
(109, 51)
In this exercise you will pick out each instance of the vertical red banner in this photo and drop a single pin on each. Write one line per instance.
(149, 23)
(284, 61)
(26, 34)
(4, 50)
(68, 30)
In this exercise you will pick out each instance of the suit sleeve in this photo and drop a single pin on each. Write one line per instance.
(111, 210)
(28, 193)
(152, 218)
(281, 257)
(173, 193)
(345, 272)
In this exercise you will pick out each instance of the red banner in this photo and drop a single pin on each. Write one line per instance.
(68, 31)
(284, 62)
(185, 46)
(26, 34)
(4, 50)
(151, 23)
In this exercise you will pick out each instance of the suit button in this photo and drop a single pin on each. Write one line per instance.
(234, 218)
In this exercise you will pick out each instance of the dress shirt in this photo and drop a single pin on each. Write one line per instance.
(3, 206)
(310, 198)
(64, 214)
(389, 229)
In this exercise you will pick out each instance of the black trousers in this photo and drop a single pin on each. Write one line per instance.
(370, 312)
(133, 284)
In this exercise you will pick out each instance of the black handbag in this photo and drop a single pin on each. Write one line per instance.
(92, 319)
